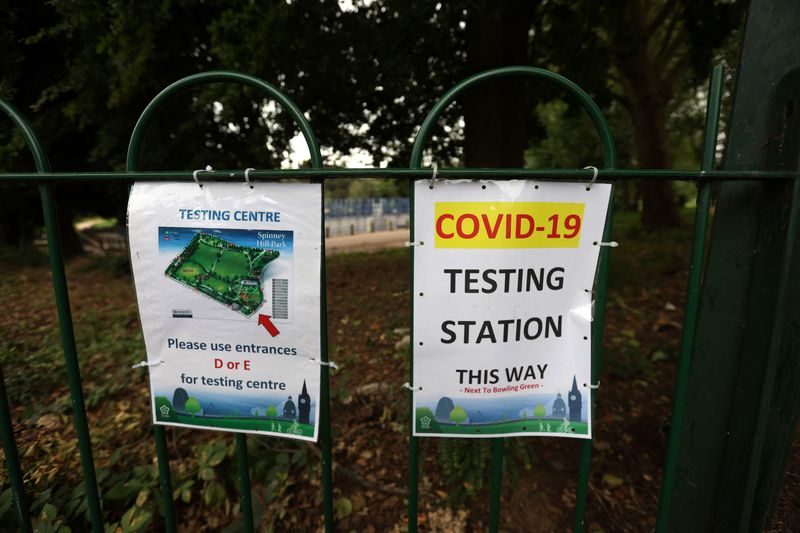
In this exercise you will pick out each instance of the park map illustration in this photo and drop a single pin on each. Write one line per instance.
(223, 271)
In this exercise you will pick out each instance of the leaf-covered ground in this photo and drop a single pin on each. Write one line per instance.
(368, 321)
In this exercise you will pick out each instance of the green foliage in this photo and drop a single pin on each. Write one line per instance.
(625, 357)
(83, 76)
(645, 64)
(271, 412)
(465, 467)
(6, 501)
(344, 507)
(539, 411)
(643, 262)
(568, 141)
(458, 414)
(192, 406)
(376, 188)
(134, 520)
(48, 521)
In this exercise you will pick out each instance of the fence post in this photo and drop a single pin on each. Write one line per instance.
(743, 399)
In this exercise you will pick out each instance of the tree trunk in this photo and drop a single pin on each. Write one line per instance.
(495, 112)
(648, 96)
(659, 204)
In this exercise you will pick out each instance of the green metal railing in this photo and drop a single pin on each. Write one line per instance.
(610, 160)
(45, 179)
(692, 294)
(134, 150)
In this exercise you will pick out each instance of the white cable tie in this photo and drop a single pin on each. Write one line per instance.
(409, 244)
(324, 363)
(141, 364)
(194, 174)
(410, 387)
(596, 386)
(611, 244)
(247, 176)
(594, 176)
(433, 176)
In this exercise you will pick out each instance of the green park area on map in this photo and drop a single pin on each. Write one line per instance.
(226, 272)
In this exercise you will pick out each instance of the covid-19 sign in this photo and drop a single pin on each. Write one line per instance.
(503, 278)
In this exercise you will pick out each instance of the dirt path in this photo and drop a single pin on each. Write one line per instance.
(366, 242)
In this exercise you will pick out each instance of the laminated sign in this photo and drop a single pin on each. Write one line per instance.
(503, 276)
(228, 283)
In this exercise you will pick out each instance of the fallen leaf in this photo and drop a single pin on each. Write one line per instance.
(612, 481)
(343, 507)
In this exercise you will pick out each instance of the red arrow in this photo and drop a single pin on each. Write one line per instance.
(264, 320)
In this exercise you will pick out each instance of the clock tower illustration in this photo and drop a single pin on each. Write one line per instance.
(304, 407)
(574, 402)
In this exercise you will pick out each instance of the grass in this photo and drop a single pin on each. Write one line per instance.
(645, 255)
(216, 284)
(232, 263)
(254, 424)
(205, 256)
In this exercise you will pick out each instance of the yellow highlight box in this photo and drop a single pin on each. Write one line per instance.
(508, 224)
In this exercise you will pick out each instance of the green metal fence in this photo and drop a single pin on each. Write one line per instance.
(45, 179)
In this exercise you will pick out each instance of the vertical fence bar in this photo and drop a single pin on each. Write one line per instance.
(497, 484)
(244, 481)
(583, 482)
(692, 297)
(12, 460)
(324, 387)
(413, 442)
(71, 356)
(597, 347)
(6, 422)
(159, 433)
(164, 479)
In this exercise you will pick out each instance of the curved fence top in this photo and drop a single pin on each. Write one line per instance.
(586, 102)
(205, 78)
(39, 155)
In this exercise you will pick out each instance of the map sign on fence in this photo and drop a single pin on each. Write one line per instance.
(503, 278)
(228, 283)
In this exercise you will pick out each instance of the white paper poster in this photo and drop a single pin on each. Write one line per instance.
(503, 278)
(228, 284)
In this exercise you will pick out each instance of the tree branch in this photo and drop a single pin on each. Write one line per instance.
(672, 73)
(662, 14)
(670, 39)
